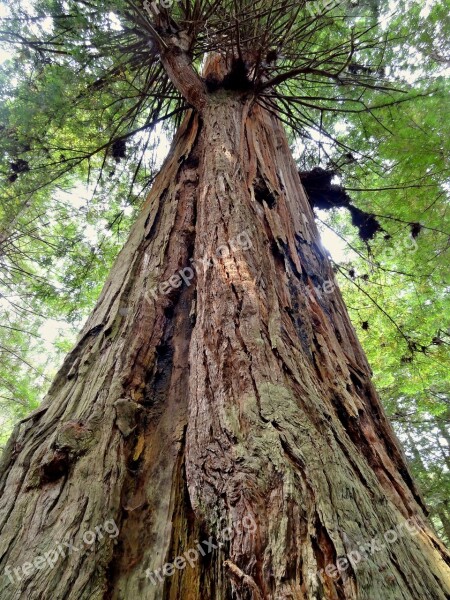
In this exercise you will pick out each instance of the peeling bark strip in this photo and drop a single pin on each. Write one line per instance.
(244, 395)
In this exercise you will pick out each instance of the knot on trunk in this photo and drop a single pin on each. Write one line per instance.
(127, 412)
(74, 437)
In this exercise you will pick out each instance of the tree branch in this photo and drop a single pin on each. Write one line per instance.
(181, 73)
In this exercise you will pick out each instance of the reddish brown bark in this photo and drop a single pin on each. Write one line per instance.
(239, 396)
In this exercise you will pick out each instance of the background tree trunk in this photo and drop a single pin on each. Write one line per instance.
(241, 395)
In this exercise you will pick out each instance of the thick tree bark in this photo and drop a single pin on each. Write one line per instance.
(442, 514)
(241, 395)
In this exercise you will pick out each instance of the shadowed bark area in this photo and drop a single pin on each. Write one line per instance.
(240, 392)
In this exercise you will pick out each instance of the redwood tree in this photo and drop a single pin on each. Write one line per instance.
(219, 380)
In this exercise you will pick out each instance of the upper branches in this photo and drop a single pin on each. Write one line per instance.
(118, 68)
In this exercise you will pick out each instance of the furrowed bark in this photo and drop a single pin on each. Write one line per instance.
(240, 396)
(84, 457)
(284, 423)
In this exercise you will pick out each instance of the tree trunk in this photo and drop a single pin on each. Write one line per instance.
(443, 517)
(439, 507)
(442, 423)
(218, 383)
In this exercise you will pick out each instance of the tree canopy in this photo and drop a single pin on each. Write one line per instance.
(87, 107)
